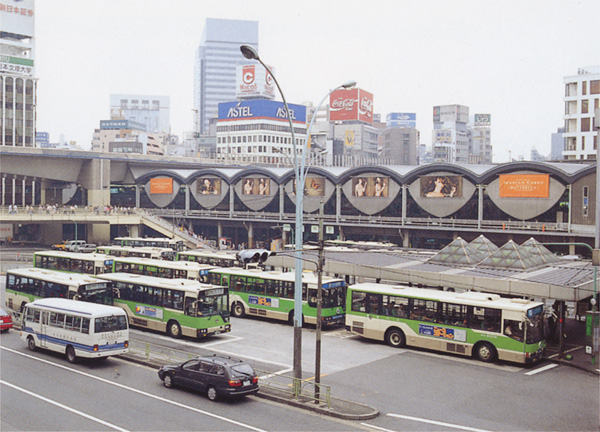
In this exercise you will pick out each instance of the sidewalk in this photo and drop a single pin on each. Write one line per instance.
(339, 408)
(574, 349)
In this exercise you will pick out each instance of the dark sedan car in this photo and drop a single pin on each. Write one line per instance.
(6, 321)
(218, 376)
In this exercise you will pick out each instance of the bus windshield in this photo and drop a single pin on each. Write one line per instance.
(334, 297)
(534, 323)
(213, 302)
(101, 293)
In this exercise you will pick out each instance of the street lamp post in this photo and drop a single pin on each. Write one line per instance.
(300, 175)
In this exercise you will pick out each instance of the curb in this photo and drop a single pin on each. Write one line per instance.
(575, 365)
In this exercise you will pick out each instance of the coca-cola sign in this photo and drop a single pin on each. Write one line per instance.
(352, 104)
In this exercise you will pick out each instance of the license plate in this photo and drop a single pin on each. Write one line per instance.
(246, 383)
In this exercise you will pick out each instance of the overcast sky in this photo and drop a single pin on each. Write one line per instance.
(507, 58)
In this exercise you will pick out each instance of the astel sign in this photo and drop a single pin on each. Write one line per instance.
(260, 109)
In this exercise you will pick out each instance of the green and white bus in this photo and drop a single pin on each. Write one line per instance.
(73, 262)
(24, 285)
(179, 307)
(162, 268)
(206, 256)
(139, 252)
(482, 325)
(162, 242)
(270, 294)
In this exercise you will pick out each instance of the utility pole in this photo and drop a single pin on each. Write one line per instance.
(320, 263)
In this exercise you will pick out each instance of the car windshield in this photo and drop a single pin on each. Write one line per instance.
(241, 370)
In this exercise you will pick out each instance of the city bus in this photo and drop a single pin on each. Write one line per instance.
(77, 329)
(206, 256)
(179, 307)
(270, 294)
(162, 268)
(485, 326)
(73, 262)
(24, 285)
(140, 252)
(162, 242)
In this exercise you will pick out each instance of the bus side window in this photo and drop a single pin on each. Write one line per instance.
(358, 301)
(85, 325)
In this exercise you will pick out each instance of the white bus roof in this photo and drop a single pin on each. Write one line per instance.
(55, 276)
(179, 284)
(80, 307)
(76, 255)
(470, 298)
(307, 277)
(209, 253)
(188, 265)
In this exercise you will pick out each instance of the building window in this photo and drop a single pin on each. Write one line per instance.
(584, 87)
(595, 87)
(584, 106)
(585, 124)
(582, 143)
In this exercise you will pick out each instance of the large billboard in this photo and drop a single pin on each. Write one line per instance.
(161, 185)
(524, 185)
(370, 187)
(451, 113)
(260, 109)
(483, 119)
(441, 186)
(17, 16)
(405, 120)
(351, 104)
(254, 81)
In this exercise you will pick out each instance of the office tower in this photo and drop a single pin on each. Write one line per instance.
(480, 141)
(400, 139)
(151, 111)
(215, 66)
(582, 98)
(18, 84)
(450, 140)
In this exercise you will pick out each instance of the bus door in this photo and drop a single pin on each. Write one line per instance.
(44, 329)
(189, 306)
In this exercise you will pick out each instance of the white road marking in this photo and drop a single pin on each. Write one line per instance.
(65, 407)
(438, 423)
(377, 427)
(204, 345)
(542, 369)
(134, 390)
(271, 375)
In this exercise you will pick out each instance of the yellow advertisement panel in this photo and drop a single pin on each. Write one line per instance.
(524, 185)
(349, 138)
(161, 185)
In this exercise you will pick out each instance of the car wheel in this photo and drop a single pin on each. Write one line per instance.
(485, 352)
(395, 338)
(71, 356)
(237, 310)
(168, 381)
(31, 343)
(174, 329)
(211, 392)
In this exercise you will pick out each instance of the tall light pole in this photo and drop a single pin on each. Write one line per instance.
(300, 175)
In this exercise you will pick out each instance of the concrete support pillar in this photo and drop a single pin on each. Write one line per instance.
(572, 248)
(250, 235)
(281, 201)
(479, 206)
(23, 194)
(231, 202)
(405, 238)
(338, 204)
(98, 234)
(52, 234)
(33, 192)
(134, 231)
(95, 178)
(137, 196)
(342, 235)
(14, 188)
(219, 231)
(404, 203)
(3, 191)
(187, 199)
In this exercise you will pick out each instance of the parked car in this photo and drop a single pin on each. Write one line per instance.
(6, 321)
(217, 376)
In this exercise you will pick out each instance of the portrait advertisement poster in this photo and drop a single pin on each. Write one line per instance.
(209, 186)
(161, 185)
(376, 187)
(313, 186)
(256, 186)
(524, 185)
(441, 186)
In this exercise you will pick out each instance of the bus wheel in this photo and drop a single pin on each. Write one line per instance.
(237, 310)
(395, 338)
(71, 354)
(31, 343)
(174, 329)
(485, 352)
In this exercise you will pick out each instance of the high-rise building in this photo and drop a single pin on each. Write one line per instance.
(450, 142)
(480, 141)
(151, 111)
(582, 98)
(400, 139)
(215, 66)
(18, 84)
(557, 144)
